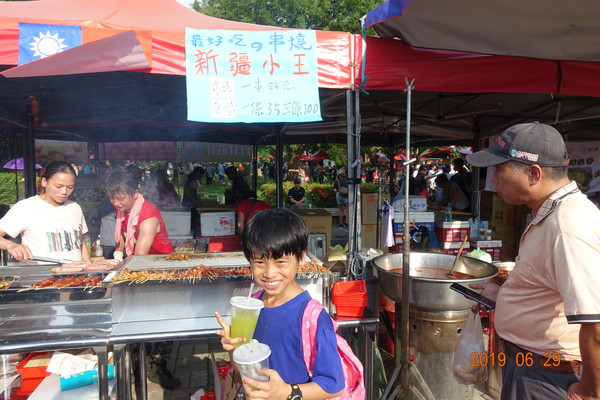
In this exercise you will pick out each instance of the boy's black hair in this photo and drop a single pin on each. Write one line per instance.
(275, 233)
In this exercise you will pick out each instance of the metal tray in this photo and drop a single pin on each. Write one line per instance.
(109, 279)
(25, 282)
(159, 261)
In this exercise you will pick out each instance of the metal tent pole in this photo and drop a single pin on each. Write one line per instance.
(406, 281)
(279, 167)
(350, 156)
(29, 148)
(405, 368)
(354, 262)
(255, 167)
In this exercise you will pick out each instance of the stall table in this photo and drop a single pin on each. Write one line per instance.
(118, 314)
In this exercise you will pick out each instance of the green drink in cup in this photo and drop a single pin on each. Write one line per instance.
(244, 314)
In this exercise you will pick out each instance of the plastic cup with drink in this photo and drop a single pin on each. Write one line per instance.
(251, 358)
(244, 315)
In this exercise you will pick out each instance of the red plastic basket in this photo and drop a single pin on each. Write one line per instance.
(33, 372)
(350, 311)
(356, 288)
(350, 298)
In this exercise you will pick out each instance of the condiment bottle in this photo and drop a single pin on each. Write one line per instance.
(448, 216)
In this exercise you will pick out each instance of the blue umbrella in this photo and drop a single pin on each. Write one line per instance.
(18, 163)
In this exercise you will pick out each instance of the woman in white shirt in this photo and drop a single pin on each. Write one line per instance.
(50, 225)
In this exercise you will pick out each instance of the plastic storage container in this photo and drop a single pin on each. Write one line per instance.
(454, 231)
(350, 298)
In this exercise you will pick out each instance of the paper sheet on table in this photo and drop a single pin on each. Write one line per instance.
(49, 389)
(66, 364)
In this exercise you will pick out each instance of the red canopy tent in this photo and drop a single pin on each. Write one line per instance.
(474, 77)
(460, 95)
(388, 61)
(160, 28)
(125, 81)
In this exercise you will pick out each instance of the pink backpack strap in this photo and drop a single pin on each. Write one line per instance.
(309, 333)
(256, 295)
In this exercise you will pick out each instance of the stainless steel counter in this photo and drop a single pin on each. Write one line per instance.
(121, 313)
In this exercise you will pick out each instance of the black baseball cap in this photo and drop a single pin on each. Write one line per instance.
(296, 180)
(530, 143)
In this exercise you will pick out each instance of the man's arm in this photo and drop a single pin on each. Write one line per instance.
(241, 221)
(303, 193)
(148, 230)
(588, 387)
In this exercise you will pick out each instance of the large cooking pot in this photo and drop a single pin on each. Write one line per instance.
(432, 294)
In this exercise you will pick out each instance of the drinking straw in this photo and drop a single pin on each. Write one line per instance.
(250, 293)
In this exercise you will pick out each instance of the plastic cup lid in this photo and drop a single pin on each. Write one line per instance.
(245, 302)
(251, 353)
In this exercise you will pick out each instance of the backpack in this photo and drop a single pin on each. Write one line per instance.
(352, 367)
(343, 190)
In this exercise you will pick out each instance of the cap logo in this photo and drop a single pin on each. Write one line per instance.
(500, 142)
(524, 155)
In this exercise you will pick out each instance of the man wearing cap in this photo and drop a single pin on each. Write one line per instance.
(297, 195)
(548, 311)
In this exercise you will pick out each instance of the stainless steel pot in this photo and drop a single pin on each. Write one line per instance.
(429, 293)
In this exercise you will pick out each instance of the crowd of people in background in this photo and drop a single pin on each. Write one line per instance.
(443, 184)
(176, 185)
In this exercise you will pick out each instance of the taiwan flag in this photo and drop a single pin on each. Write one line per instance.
(40, 40)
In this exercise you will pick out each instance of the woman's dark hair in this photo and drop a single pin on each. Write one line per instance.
(197, 173)
(57, 167)
(122, 181)
(273, 234)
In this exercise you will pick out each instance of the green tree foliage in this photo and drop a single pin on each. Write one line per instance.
(329, 15)
(8, 188)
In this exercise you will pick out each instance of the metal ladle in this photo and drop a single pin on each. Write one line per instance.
(460, 249)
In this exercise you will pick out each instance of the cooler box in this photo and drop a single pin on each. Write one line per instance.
(398, 247)
(178, 223)
(217, 223)
(454, 231)
(452, 248)
(419, 218)
(415, 203)
(493, 247)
